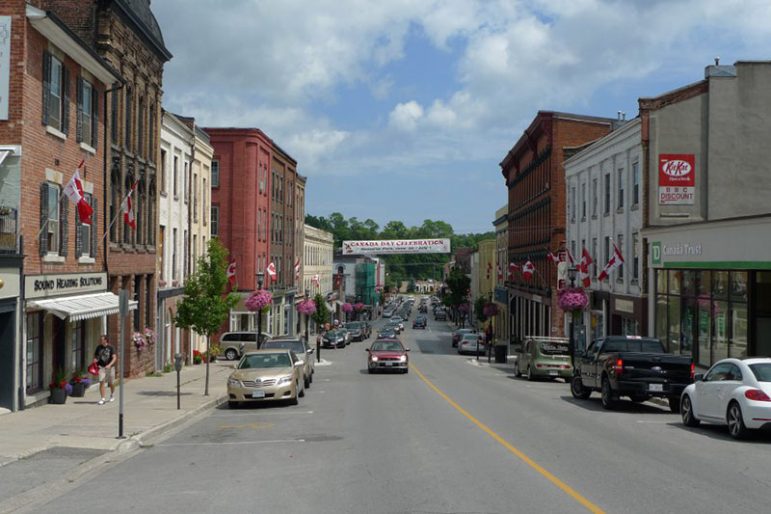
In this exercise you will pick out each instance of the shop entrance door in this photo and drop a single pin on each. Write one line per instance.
(58, 344)
(7, 362)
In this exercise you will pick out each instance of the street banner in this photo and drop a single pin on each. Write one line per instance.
(677, 179)
(396, 246)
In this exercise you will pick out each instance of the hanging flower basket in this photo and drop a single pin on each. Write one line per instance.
(306, 307)
(149, 335)
(259, 300)
(571, 299)
(347, 307)
(490, 310)
(139, 341)
(358, 307)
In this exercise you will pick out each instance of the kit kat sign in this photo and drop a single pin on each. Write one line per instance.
(677, 179)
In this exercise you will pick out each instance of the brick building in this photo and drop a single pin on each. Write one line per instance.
(53, 124)
(536, 213)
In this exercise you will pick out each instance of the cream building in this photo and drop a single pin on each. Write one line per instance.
(500, 293)
(204, 173)
(318, 248)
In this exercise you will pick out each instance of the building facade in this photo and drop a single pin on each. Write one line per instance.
(500, 293)
(605, 198)
(708, 219)
(536, 221)
(50, 126)
(241, 199)
(318, 253)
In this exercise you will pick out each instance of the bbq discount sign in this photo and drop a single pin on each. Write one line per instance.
(396, 246)
(677, 179)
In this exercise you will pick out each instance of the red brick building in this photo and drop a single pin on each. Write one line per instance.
(536, 215)
(241, 207)
(56, 97)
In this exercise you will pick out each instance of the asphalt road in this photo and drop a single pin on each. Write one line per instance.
(449, 437)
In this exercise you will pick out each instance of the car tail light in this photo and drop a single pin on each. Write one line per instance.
(693, 370)
(618, 368)
(539, 366)
(756, 395)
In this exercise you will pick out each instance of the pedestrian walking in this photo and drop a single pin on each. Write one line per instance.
(105, 357)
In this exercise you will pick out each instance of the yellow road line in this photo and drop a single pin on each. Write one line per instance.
(591, 507)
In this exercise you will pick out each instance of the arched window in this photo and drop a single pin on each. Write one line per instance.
(141, 127)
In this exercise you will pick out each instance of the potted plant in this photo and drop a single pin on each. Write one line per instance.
(60, 387)
(215, 351)
(79, 383)
(197, 357)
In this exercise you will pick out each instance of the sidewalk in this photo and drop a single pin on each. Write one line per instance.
(150, 408)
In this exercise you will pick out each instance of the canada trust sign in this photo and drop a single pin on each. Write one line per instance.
(42, 286)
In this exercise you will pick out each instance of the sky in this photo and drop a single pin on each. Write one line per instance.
(403, 109)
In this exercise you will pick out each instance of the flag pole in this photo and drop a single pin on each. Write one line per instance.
(120, 211)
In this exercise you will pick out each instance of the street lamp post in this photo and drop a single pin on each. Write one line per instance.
(572, 342)
(260, 276)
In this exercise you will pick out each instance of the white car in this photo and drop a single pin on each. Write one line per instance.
(733, 392)
(399, 320)
(470, 343)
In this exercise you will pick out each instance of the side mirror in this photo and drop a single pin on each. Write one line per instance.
(311, 350)
(698, 377)
(406, 349)
(366, 350)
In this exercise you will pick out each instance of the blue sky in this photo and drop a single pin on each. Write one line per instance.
(402, 110)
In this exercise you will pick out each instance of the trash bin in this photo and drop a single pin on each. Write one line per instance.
(501, 352)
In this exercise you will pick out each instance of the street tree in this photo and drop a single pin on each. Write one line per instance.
(206, 304)
(321, 315)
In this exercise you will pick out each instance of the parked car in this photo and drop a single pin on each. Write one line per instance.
(303, 352)
(266, 375)
(457, 334)
(359, 330)
(472, 343)
(333, 339)
(633, 366)
(346, 334)
(420, 322)
(440, 315)
(399, 320)
(387, 333)
(234, 344)
(734, 392)
(388, 312)
(394, 325)
(387, 355)
(546, 357)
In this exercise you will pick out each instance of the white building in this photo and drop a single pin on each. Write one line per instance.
(318, 249)
(177, 141)
(605, 205)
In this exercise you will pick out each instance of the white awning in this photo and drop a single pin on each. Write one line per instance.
(85, 306)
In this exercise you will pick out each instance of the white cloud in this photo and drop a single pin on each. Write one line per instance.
(406, 116)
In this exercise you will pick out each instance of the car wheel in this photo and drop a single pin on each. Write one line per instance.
(608, 399)
(529, 374)
(517, 373)
(232, 404)
(578, 390)
(301, 394)
(674, 404)
(294, 401)
(686, 412)
(231, 354)
(736, 426)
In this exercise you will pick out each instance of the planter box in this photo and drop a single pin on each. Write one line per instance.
(58, 397)
(78, 390)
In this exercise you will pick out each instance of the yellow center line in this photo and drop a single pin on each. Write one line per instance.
(591, 507)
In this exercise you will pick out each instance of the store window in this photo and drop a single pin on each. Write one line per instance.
(78, 346)
(34, 352)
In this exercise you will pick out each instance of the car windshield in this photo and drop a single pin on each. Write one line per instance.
(354, 325)
(334, 333)
(553, 348)
(633, 345)
(265, 360)
(388, 346)
(762, 371)
(296, 346)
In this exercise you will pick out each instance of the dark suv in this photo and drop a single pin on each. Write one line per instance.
(420, 322)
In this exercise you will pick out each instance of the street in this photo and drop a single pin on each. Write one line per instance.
(450, 436)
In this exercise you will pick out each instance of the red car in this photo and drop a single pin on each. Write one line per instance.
(388, 355)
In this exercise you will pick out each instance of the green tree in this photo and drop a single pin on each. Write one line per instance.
(321, 315)
(458, 284)
(479, 309)
(205, 306)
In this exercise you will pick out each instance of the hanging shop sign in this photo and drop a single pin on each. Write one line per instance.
(677, 179)
(396, 246)
(44, 286)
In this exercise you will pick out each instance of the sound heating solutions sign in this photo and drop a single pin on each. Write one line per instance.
(677, 179)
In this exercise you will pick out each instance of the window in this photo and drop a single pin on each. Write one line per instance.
(53, 217)
(88, 103)
(185, 182)
(205, 199)
(635, 184)
(151, 135)
(583, 201)
(83, 236)
(195, 198)
(185, 256)
(137, 313)
(78, 346)
(607, 193)
(635, 256)
(620, 176)
(55, 93)
(114, 116)
(594, 197)
(141, 127)
(163, 171)
(215, 220)
(127, 108)
(34, 352)
(174, 255)
(175, 176)
(620, 244)
(607, 249)
(215, 174)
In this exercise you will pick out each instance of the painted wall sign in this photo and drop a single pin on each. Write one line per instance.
(44, 286)
(396, 246)
(677, 179)
(5, 64)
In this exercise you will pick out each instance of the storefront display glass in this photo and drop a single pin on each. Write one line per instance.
(34, 352)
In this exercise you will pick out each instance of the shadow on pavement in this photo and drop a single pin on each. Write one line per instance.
(720, 432)
(162, 393)
(593, 404)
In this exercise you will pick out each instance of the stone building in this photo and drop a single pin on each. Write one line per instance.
(500, 293)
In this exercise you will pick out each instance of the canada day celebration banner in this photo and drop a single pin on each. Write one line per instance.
(396, 246)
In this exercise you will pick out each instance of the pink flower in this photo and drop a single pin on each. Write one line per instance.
(490, 310)
(306, 307)
(358, 306)
(259, 300)
(572, 299)
(347, 307)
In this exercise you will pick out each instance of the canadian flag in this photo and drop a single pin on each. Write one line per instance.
(583, 268)
(614, 262)
(513, 268)
(527, 270)
(271, 269)
(315, 279)
(128, 209)
(232, 272)
(297, 269)
(74, 191)
(554, 258)
(500, 273)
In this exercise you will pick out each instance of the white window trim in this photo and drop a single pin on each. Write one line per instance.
(54, 257)
(56, 133)
(88, 148)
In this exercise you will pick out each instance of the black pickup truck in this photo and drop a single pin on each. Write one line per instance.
(633, 366)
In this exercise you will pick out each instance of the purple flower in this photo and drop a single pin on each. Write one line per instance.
(347, 307)
(68, 388)
(572, 299)
(259, 300)
(306, 307)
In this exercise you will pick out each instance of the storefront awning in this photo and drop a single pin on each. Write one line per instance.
(87, 306)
